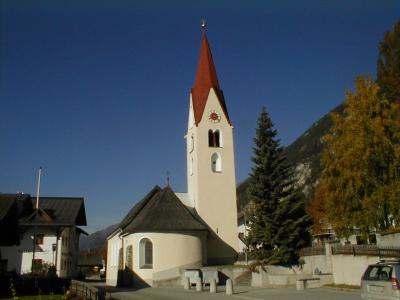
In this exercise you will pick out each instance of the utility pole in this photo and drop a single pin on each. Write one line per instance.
(35, 218)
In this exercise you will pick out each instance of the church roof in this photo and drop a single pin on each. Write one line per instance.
(206, 78)
(161, 211)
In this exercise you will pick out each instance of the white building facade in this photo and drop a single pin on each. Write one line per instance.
(53, 228)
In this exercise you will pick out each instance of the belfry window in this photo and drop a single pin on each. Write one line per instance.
(145, 254)
(214, 138)
(211, 138)
(216, 165)
(217, 138)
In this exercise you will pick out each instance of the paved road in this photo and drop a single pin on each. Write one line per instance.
(244, 293)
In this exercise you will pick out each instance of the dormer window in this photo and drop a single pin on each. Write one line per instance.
(214, 138)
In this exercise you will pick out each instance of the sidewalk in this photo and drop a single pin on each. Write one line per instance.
(241, 292)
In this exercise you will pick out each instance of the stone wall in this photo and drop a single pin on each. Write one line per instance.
(338, 269)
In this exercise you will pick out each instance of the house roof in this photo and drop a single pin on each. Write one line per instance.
(59, 211)
(20, 202)
(12, 206)
(162, 211)
(206, 79)
(6, 203)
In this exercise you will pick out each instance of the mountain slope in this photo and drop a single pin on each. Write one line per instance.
(97, 239)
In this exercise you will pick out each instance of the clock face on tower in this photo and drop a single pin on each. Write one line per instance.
(214, 116)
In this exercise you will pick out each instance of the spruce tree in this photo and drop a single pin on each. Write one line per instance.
(276, 217)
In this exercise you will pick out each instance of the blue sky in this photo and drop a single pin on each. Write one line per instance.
(97, 92)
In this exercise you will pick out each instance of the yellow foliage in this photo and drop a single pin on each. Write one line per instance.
(361, 162)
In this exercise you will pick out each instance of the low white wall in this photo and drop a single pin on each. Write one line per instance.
(338, 269)
(314, 262)
(388, 240)
(348, 269)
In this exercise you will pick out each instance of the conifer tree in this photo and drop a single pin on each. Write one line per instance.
(276, 217)
(362, 163)
(388, 67)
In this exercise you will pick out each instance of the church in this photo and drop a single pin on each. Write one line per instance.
(167, 232)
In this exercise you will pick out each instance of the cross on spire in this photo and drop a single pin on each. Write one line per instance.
(203, 24)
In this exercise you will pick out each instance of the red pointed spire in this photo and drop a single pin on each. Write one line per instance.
(206, 78)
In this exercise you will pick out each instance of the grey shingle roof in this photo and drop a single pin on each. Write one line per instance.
(5, 205)
(63, 211)
(136, 208)
(162, 211)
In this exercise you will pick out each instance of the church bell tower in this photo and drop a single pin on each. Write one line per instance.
(210, 160)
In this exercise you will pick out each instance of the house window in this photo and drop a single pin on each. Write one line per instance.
(129, 253)
(39, 239)
(37, 264)
(145, 254)
(216, 165)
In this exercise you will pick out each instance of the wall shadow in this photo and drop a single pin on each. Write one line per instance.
(219, 252)
(127, 278)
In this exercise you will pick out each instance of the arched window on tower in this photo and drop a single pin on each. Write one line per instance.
(216, 165)
(211, 142)
(145, 254)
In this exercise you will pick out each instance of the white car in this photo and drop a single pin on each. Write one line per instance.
(381, 281)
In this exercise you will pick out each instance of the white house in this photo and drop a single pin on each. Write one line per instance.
(167, 232)
(47, 236)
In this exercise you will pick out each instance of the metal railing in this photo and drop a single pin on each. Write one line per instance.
(309, 251)
(85, 290)
(367, 250)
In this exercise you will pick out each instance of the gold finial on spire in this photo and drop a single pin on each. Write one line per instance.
(203, 24)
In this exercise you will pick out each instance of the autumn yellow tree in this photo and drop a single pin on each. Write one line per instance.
(316, 209)
(361, 163)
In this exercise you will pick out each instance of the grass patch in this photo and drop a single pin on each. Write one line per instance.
(343, 286)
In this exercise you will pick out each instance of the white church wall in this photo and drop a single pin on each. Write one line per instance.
(114, 245)
(170, 252)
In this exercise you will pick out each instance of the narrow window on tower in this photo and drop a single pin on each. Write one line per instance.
(216, 165)
(211, 142)
(191, 145)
